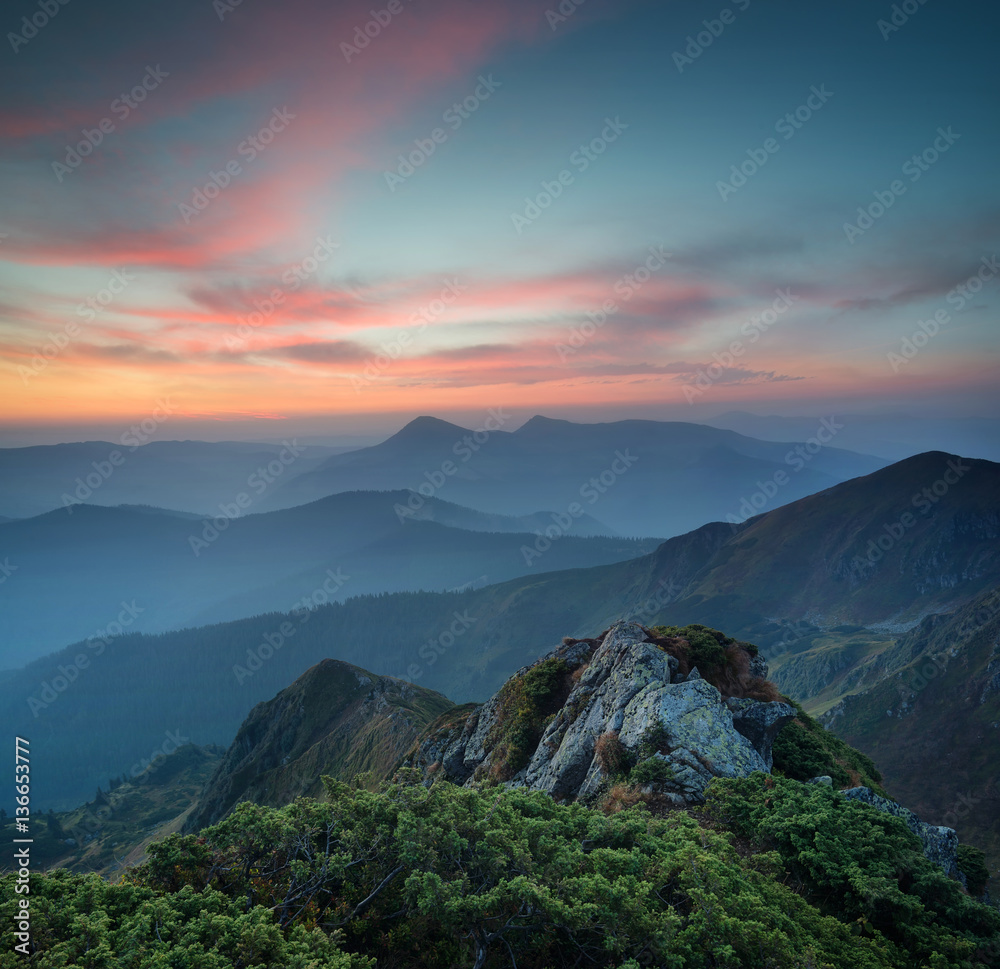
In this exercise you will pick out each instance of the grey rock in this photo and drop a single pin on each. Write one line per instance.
(624, 686)
(758, 666)
(940, 844)
(621, 667)
(760, 723)
(703, 740)
(823, 779)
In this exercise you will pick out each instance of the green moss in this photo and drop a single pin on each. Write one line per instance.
(524, 704)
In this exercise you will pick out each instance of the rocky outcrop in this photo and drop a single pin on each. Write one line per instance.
(940, 844)
(624, 687)
(335, 719)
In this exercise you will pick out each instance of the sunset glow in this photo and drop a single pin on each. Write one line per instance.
(267, 214)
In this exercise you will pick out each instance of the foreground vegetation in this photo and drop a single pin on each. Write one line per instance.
(771, 873)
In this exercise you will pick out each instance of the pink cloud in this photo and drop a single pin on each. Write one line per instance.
(275, 58)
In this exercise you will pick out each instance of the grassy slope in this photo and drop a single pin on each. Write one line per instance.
(932, 724)
(801, 560)
(114, 829)
(335, 719)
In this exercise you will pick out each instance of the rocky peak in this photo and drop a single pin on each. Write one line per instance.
(336, 718)
(572, 722)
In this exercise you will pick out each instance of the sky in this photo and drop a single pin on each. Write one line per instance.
(324, 219)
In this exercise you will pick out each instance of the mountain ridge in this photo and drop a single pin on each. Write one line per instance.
(688, 579)
(548, 462)
(335, 718)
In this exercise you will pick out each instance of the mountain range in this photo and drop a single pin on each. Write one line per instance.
(640, 477)
(144, 569)
(834, 588)
(891, 437)
(191, 476)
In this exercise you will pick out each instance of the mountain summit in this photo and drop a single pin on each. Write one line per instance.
(335, 718)
(426, 432)
(594, 709)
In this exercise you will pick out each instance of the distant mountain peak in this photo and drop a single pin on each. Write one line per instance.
(540, 424)
(540, 420)
(428, 429)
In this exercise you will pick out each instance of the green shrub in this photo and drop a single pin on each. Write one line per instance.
(655, 740)
(721, 660)
(653, 770)
(805, 749)
(408, 876)
(706, 647)
(801, 755)
(972, 864)
(860, 864)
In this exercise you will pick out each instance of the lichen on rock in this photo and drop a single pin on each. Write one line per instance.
(622, 684)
